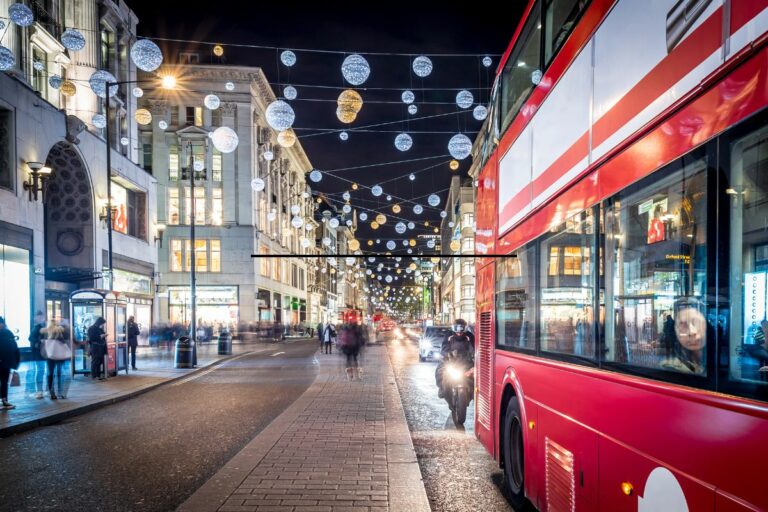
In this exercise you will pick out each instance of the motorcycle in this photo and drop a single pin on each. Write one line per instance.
(458, 385)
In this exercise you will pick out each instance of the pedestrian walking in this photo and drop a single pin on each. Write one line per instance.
(97, 341)
(320, 335)
(10, 357)
(350, 342)
(328, 337)
(58, 353)
(132, 333)
(36, 372)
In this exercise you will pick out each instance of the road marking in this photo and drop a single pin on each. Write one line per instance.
(209, 370)
(277, 354)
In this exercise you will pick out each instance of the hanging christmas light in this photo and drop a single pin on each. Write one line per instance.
(225, 139)
(346, 114)
(315, 176)
(346, 196)
(99, 121)
(418, 209)
(408, 97)
(295, 209)
(411, 225)
(347, 209)
(218, 50)
(334, 223)
(374, 225)
(269, 155)
(391, 246)
(137, 92)
(480, 113)
(290, 92)
(288, 58)
(454, 165)
(98, 83)
(258, 184)
(443, 214)
(125, 141)
(280, 115)
(396, 208)
(487, 61)
(198, 165)
(143, 116)
(355, 69)
(272, 215)
(326, 241)
(381, 218)
(376, 190)
(422, 66)
(286, 138)
(343, 135)
(21, 15)
(455, 245)
(163, 125)
(400, 228)
(403, 142)
(230, 86)
(55, 81)
(460, 146)
(464, 99)
(363, 216)
(211, 102)
(354, 245)
(412, 177)
(72, 40)
(297, 222)
(412, 109)
(146, 55)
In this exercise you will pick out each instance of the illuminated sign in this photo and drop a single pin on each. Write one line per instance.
(755, 299)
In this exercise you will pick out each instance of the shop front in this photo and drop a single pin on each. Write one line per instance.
(217, 306)
(263, 300)
(16, 278)
(136, 290)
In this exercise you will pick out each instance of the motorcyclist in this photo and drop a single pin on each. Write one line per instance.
(457, 347)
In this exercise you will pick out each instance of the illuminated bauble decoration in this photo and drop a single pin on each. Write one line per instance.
(374, 225)
(412, 177)
(218, 50)
(258, 184)
(271, 216)
(163, 125)
(295, 209)
(536, 77)
(443, 214)
(286, 138)
(431, 244)
(480, 113)
(269, 155)
(422, 66)
(99, 120)
(305, 243)
(487, 61)
(297, 222)
(376, 190)
(408, 97)
(412, 109)
(388, 279)
(68, 88)
(354, 245)
(454, 165)
(288, 58)
(38, 66)
(347, 209)
(72, 40)
(334, 223)
(437, 230)
(370, 243)
(98, 82)
(315, 176)
(460, 146)
(418, 209)
(55, 81)
(344, 136)
(411, 225)
(280, 115)
(400, 228)
(464, 99)
(146, 55)
(230, 86)
(124, 141)
(363, 216)
(212, 102)
(405, 244)
(143, 116)
(350, 98)
(290, 92)
(396, 208)
(455, 245)
(326, 241)
(21, 15)
(354, 186)
(391, 245)
(225, 139)
(308, 227)
(451, 224)
(381, 218)
(198, 166)
(346, 196)
(346, 114)
(403, 142)
(137, 92)
(355, 69)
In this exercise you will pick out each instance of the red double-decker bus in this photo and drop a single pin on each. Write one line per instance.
(622, 205)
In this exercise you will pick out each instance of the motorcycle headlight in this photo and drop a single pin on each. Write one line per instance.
(454, 373)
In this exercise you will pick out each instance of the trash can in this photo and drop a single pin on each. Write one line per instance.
(184, 352)
(225, 343)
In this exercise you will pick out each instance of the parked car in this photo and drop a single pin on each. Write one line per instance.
(432, 340)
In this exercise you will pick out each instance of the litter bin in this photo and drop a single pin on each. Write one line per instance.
(225, 343)
(184, 352)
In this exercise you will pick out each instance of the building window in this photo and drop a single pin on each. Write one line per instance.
(147, 156)
(572, 260)
(189, 58)
(199, 206)
(173, 206)
(216, 166)
(201, 255)
(194, 116)
(107, 50)
(129, 216)
(7, 143)
(264, 262)
(468, 245)
(198, 154)
(468, 291)
(177, 256)
(173, 162)
(468, 220)
(39, 77)
(207, 255)
(174, 116)
(277, 267)
(468, 267)
(217, 207)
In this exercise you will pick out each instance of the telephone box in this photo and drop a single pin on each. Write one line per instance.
(85, 307)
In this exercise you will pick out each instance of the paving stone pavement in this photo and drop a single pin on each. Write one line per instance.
(344, 446)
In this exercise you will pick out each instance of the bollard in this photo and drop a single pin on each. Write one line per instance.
(183, 353)
(225, 343)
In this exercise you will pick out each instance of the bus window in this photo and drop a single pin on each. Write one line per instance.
(559, 19)
(567, 287)
(515, 300)
(746, 199)
(522, 71)
(655, 250)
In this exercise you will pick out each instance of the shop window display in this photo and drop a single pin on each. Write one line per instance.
(516, 301)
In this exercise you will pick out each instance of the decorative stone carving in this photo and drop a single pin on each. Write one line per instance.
(228, 109)
(74, 127)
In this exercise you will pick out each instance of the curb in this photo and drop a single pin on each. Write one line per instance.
(85, 408)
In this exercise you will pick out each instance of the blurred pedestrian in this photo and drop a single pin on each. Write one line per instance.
(10, 357)
(58, 353)
(132, 333)
(97, 341)
(320, 335)
(350, 342)
(329, 335)
(36, 372)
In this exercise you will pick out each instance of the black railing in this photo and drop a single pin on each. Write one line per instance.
(50, 22)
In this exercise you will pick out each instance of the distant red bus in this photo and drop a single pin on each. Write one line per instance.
(352, 316)
(623, 194)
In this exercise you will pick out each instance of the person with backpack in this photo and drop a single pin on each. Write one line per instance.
(350, 341)
(329, 335)
(10, 358)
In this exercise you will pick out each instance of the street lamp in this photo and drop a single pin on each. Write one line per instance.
(167, 82)
(38, 173)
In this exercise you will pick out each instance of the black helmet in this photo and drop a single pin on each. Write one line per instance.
(459, 326)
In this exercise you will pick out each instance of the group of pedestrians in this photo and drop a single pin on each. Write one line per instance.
(349, 338)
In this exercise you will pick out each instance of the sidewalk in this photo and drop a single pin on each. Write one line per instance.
(155, 368)
(342, 446)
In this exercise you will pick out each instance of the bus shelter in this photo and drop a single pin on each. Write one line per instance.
(85, 307)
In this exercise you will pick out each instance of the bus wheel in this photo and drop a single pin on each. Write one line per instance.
(514, 468)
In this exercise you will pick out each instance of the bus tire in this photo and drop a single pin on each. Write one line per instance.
(514, 466)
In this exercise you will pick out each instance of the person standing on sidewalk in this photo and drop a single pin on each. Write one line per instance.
(320, 335)
(350, 341)
(329, 334)
(10, 357)
(58, 353)
(98, 346)
(36, 371)
(132, 333)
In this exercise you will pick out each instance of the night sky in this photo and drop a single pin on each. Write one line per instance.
(409, 27)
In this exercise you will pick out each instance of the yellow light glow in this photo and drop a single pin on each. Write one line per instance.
(218, 50)
(396, 208)
(370, 243)
(374, 225)
(168, 82)
(354, 186)
(454, 165)
(627, 488)
(381, 218)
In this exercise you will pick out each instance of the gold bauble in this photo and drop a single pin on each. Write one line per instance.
(412, 243)
(412, 266)
(286, 138)
(374, 225)
(454, 165)
(143, 116)
(354, 186)
(68, 88)
(455, 245)
(399, 271)
(437, 230)
(346, 114)
(435, 260)
(396, 208)
(426, 224)
(218, 50)
(350, 98)
(354, 245)
(381, 218)
(370, 243)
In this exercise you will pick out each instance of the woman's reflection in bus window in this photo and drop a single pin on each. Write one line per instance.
(690, 338)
